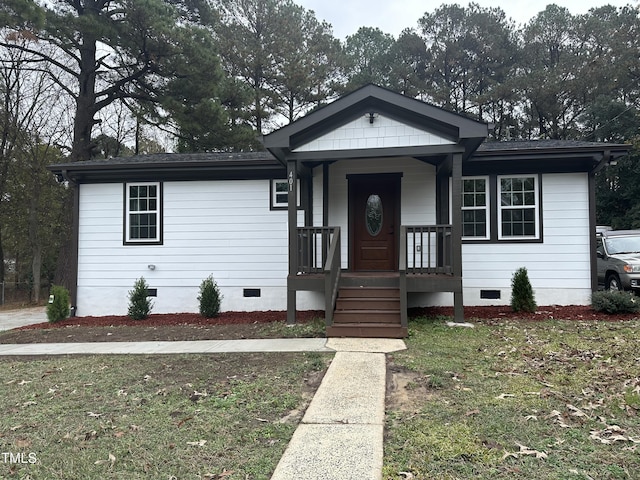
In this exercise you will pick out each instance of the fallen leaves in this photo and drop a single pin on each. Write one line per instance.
(199, 443)
(502, 396)
(112, 460)
(611, 434)
(524, 450)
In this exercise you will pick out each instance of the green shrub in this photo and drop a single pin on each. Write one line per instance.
(611, 301)
(522, 297)
(139, 304)
(209, 298)
(58, 307)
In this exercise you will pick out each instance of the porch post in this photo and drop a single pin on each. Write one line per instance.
(456, 233)
(292, 208)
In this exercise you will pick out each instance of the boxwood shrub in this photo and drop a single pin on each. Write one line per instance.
(612, 301)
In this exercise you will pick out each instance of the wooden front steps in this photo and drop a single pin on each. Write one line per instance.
(367, 312)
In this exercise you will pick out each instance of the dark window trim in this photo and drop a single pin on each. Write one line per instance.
(160, 214)
(493, 212)
(284, 207)
(487, 209)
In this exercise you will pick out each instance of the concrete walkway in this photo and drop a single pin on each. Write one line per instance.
(148, 348)
(341, 433)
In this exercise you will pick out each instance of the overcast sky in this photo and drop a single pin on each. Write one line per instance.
(393, 16)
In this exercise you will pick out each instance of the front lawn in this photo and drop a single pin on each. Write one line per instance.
(535, 400)
(138, 417)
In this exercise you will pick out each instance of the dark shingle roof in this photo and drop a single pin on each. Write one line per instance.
(541, 145)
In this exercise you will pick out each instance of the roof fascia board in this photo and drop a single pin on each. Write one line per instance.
(419, 151)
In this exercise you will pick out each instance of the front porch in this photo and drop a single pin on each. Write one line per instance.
(373, 304)
(386, 171)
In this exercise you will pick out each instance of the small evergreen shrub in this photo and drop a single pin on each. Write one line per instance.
(210, 298)
(522, 297)
(611, 301)
(139, 304)
(58, 308)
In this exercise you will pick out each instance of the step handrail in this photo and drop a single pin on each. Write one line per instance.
(402, 270)
(332, 270)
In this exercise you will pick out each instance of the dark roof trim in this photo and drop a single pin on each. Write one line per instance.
(493, 157)
(173, 167)
(432, 150)
(552, 156)
(372, 98)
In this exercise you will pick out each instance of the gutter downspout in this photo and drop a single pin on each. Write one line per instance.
(75, 230)
(605, 161)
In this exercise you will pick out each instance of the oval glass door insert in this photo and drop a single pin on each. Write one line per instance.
(373, 215)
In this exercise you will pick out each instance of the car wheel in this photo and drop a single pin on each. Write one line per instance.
(613, 282)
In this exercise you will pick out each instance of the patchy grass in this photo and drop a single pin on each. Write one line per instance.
(315, 327)
(139, 417)
(543, 400)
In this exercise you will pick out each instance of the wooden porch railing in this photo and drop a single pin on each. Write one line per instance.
(319, 252)
(424, 250)
(427, 248)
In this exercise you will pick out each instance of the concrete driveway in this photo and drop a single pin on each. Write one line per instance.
(24, 316)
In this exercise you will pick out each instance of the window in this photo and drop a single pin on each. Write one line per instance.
(518, 207)
(142, 213)
(280, 193)
(475, 208)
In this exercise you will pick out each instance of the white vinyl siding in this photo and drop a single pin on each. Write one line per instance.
(559, 268)
(223, 228)
(384, 132)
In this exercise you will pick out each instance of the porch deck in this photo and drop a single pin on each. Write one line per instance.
(427, 268)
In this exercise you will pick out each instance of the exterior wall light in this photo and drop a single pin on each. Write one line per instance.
(372, 116)
(151, 267)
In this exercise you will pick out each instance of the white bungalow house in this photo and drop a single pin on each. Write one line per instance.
(363, 208)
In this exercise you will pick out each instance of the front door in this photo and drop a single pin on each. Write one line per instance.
(374, 203)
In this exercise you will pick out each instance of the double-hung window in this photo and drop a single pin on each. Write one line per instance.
(280, 194)
(143, 220)
(518, 207)
(475, 208)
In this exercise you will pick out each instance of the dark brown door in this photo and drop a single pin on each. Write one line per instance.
(374, 214)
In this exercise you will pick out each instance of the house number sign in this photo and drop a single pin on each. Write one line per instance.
(291, 181)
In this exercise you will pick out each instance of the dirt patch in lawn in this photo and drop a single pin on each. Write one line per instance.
(407, 391)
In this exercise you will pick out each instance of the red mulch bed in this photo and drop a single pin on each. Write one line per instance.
(552, 312)
(490, 313)
(170, 319)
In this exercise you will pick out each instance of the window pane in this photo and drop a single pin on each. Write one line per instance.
(468, 200)
(282, 198)
(529, 183)
(467, 186)
(281, 186)
(530, 229)
(517, 184)
(529, 198)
